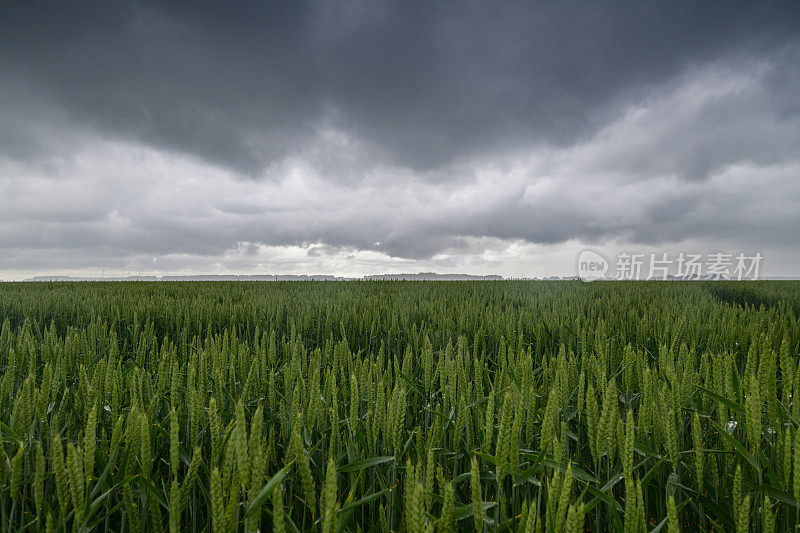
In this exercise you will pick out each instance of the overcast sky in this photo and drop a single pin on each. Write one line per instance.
(374, 136)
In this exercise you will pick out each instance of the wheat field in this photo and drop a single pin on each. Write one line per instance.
(400, 406)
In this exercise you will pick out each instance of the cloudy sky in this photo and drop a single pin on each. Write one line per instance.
(374, 136)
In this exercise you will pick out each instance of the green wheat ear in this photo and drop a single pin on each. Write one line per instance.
(699, 459)
(416, 518)
(240, 444)
(743, 515)
(90, 443)
(38, 481)
(278, 524)
(446, 521)
(488, 434)
(532, 522)
(60, 473)
(217, 502)
(672, 515)
(76, 480)
(175, 507)
(796, 484)
(16, 472)
(592, 422)
(630, 525)
(627, 458)
(430, 477)
(330, 505)
(574, 521)
(769, 516)
(300, 457)
(786, 464)
(752, 407)
(475, 492)
(672, 439)
(214, 429)
(174, 442)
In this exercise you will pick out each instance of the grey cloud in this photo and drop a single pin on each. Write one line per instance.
(423, 84)
(424, 132)
(751, 119)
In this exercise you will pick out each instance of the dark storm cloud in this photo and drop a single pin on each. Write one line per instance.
(423, 84)
(153, 135)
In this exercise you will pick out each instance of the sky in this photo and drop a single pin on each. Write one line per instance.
(364, 137)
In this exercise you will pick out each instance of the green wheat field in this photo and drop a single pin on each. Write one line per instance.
(400, 406)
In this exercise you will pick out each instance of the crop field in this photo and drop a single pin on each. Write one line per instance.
(400, 406)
